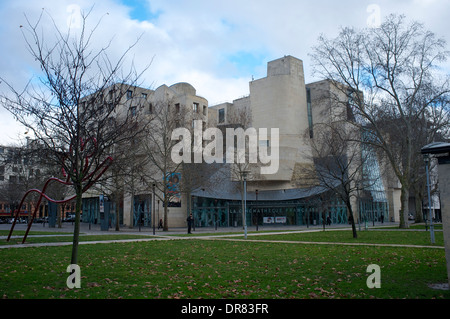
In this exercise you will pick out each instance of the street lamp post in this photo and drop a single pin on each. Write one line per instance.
(244, 176)
(427, 160)
(257, 213)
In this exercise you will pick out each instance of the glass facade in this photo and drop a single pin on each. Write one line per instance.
(373, 204)
(210, 212)
(91, 212)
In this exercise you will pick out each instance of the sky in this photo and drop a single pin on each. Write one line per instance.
(215, 45)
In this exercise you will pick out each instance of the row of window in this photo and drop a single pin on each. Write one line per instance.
(195, 108)
(130, 95)
(13, 179)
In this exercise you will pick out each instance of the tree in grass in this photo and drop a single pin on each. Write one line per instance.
(77, 108)
(397, 66)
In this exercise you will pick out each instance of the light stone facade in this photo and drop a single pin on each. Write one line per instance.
(280, 100)
(283, 100)
(181, 97)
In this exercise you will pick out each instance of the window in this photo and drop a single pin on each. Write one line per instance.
(150, 108)
(195, 107)
(308, 107)
(221, 115)
(129, 94)
(351, 104)
(177, 108)
(133, 111)
(204, 109)
(144, 95)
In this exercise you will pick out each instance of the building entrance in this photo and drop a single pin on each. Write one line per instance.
(142, 210)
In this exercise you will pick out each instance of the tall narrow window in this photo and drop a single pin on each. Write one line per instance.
(221, 115)
(195, 107)
(129, 94)
(133, 111)
(308, 107)
(351, 103)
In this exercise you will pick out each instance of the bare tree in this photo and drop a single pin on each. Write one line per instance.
(395, 66)
(156, 151)
(75, 109)
(339, 163)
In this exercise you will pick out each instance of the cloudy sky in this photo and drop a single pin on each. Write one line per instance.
(216, 45)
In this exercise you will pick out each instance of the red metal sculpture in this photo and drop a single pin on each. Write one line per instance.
(93, 176)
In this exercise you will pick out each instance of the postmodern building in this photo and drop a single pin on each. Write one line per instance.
(142, 178)
(284, 113)
(283, 100)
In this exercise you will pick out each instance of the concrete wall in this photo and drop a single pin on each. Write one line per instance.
(279, 101)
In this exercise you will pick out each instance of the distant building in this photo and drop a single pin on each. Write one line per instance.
(22, 169)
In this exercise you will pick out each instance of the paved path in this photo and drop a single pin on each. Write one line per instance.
(212, 234)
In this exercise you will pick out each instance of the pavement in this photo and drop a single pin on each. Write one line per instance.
(94, 229)
(159, 234)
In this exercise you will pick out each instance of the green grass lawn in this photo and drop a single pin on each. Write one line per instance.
(371, 236)
(223, 269)
(69, 238)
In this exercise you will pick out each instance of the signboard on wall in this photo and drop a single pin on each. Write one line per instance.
(268, 220)
(274, 220)
(101, 204)
(280, 220)
(172, 181)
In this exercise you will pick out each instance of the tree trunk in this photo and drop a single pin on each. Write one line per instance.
(352, 221)
(404, 197)
(76, 230)
(419, 214)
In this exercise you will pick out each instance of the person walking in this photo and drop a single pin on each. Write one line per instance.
(190, 221)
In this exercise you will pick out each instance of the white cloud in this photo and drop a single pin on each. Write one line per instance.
(204, 42)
